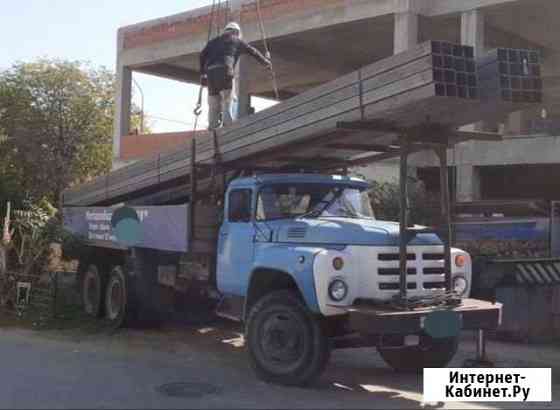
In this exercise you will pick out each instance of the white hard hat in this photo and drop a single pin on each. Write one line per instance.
(233, 26)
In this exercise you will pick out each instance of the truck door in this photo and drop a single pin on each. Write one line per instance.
(236, 243)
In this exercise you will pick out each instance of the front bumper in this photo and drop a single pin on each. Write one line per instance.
(374, 320)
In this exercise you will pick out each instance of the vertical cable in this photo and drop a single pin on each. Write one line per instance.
(267, 50)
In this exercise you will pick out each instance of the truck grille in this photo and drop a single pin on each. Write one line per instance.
(297, 232)
(425, 270)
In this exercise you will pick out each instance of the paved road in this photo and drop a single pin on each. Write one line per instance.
(69, 370)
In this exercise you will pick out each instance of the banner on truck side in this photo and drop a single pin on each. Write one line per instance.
(472, 384)
(155, 227)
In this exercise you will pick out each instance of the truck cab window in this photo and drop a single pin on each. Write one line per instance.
(285, 201)
(239, 209)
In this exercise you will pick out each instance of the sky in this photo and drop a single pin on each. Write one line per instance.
(87, 31)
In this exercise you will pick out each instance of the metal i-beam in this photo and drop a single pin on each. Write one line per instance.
(445, 213)
(403, 199)
(192, 199)
(363, 147)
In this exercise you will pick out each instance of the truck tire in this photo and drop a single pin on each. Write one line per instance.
(287, 344)
(92, 291)
(429, 353)
(116, 298)
(142, 304)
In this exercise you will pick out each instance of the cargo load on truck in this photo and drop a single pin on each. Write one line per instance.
(431, 89)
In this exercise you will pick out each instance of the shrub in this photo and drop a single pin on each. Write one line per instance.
(385, 202)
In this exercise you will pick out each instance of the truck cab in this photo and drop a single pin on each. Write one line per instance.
(320, 234)
(297, 252)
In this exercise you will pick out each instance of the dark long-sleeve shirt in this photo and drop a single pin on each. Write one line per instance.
(225, 51)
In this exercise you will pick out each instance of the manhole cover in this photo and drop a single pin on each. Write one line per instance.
(188, 389)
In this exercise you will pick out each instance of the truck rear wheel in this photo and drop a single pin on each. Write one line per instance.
(286, 342)
(429, 352)
(116, 297)
(92, 291)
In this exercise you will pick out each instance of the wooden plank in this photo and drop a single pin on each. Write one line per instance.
(204, 246)
(205, 233)
(207, 216)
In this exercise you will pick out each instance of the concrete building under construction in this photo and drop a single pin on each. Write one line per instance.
(316, 41)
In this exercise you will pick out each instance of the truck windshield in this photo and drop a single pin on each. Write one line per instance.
(282, 201)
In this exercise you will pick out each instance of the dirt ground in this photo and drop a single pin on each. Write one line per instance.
(128, 367)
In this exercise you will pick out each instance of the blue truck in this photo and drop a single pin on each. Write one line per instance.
(299, 258)
(262, 219)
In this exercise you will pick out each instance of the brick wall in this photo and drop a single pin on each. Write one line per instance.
(270, 9)
(134, 147)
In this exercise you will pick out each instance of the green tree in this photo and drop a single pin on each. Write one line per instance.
(385, 201)
(55, 126)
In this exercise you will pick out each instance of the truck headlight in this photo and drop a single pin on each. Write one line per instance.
(460, 285)
(338, 289)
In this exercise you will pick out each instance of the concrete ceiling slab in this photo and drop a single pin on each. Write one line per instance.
(307, 58)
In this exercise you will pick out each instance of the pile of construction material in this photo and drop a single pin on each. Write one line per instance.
(519, 72)
(433, 82)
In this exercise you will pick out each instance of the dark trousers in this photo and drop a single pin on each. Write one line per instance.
(220, 84)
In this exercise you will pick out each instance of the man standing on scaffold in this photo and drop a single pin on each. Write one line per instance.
(217, 66)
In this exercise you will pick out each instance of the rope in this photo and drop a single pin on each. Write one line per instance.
(219, 27)
(198, 109)
(227, 13)
(267, 50)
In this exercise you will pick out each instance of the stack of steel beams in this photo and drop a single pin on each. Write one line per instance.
(433, 82)
(519, 73)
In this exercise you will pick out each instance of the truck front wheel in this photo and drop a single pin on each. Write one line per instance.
(116, 297)
(286, 342)
(429, 352)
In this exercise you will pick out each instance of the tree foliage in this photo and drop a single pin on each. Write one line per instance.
(35, 228)
(55, 126)
(386, 204)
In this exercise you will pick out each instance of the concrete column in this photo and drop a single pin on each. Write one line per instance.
(472, 30)
(406, 33)
(242, 79)
(472, 34)
(123, 97)
(122, 108)
(518, 121)
(242, 87)
(468, 183)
